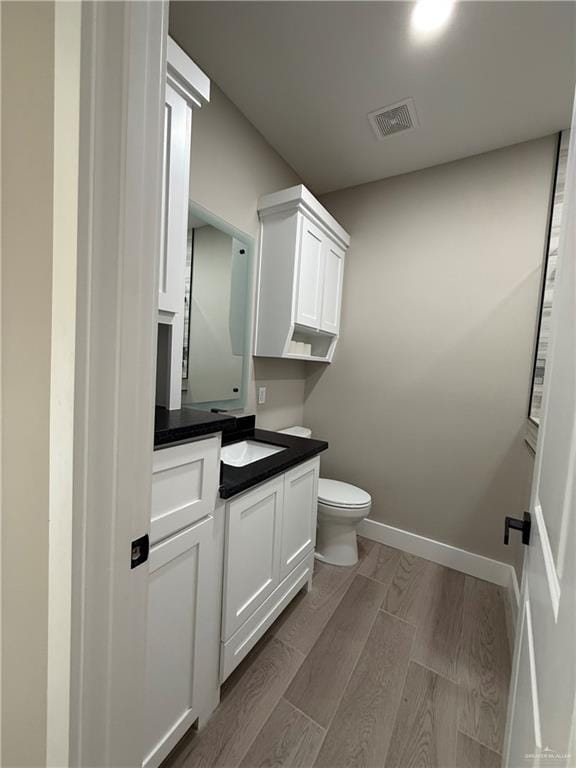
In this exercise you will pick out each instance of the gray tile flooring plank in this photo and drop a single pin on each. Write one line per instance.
(471, 754)
(484, 673)
(303, 621)
(438, 640)
(289, 739)
(380, 563)
(249, 699)
(360, 732)
(406, 596)
(320, 682)
(425, 731)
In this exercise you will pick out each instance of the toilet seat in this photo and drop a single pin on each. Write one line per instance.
(335, 493)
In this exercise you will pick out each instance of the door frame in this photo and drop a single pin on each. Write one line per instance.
(123, 56)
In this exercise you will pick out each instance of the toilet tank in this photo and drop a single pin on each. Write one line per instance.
(297, 431)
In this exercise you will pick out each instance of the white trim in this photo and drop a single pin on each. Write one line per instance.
(67, 52)
(548, 557)
(461, 560)
(299, 198)
(533, 675)
(121, 129)
(185, 76)
(512, 607)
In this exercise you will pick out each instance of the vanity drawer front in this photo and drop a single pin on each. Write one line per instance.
(184, 486)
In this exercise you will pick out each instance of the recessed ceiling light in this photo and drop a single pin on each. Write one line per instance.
(430, 16)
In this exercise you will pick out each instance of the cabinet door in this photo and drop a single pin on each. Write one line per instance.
(184, 485)
(310, 275)
(179, 588)
(176, 170)
(299, 514)
(332, 289)
(253, 531)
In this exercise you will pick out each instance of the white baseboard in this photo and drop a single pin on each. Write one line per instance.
(469, 563)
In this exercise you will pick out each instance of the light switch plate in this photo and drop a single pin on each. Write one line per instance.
(261, 395)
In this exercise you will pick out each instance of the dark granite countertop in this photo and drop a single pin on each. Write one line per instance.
(234, 480)
(187, 423)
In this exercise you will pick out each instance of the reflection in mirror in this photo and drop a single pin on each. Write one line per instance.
(215, 314)
(549, 278)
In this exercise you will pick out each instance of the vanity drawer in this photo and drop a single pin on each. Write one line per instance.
(184, 485)
(238, 646)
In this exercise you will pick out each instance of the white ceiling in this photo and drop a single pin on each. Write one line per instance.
(307, 73)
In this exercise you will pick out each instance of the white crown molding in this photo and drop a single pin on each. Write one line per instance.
(299, 198)
(185, 76)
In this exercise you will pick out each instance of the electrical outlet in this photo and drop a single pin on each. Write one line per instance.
(261, 395)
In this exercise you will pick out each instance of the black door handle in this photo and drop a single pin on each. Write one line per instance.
(139, 551)
(523, 525)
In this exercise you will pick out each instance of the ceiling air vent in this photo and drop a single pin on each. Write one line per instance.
(396, 118)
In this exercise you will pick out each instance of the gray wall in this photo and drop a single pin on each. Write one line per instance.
(231, 167)
(425, 403)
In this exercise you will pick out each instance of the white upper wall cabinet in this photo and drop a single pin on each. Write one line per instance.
(302, 249)
(332, 295)
(310, 276)
(187, 88)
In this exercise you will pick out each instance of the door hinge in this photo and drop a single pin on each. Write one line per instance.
(140, 551)
(523, 525)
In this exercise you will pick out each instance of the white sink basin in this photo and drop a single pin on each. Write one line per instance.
(248, 451)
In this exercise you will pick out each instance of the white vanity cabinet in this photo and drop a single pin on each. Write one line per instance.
(299, 514)
(184, 485)
(177, 593)
(183, 596)
(253, 538)
(301, 271)
(269, 556)
(187, 88)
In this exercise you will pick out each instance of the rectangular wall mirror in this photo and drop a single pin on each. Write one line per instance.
(216, 313)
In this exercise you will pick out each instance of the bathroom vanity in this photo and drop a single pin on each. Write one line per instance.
(230, 547)
(270, 530)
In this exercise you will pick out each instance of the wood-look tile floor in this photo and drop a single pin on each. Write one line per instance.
(394, 663)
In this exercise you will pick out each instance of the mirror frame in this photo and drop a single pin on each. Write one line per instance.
(210, 219)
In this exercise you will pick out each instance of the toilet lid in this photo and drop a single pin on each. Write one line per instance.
(340, 494)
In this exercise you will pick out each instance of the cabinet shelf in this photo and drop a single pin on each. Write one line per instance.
(301, 268)
(311, 358)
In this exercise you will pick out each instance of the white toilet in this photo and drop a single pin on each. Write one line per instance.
(341, 507)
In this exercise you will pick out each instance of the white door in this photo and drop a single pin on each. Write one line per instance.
(175, 183)
(332, 293)
(252, 571)
(179, 586)
(310, 275)
(541, 712)
(299, 514)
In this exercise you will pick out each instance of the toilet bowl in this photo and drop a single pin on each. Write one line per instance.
(341, 507)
